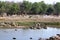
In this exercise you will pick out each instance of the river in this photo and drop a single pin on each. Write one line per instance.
(26, 34)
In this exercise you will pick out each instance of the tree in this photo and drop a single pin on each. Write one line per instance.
(2, 8)
(43, 7)
(50, 9)
(14, 8)
(35, 8)
(26, 6)
(57, 8)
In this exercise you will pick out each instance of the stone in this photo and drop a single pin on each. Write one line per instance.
(30, 37)
(58, 35)
(31, 27)
(14, 38)
(15, 29)
(51, 38)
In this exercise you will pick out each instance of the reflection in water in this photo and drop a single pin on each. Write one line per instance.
(28, 34)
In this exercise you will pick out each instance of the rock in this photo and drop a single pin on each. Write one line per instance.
(47, 39)
(2, 23)
(1, 26)
(30, 37)
(58, 35)
(6, 22)
(40, 39)
(38, 27)
(51, 38)
(14, 38)
(45, 27)
(31, 27)
(15, 29)
(12, 24)
(7, 25)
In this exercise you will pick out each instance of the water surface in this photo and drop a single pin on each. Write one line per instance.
(25, 34)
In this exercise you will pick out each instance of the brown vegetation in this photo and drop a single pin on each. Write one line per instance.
(34, 18)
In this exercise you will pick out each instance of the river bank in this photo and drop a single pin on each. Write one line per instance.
(31, 25)
(29, 21)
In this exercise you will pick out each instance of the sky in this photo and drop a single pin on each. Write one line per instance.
(46, 1)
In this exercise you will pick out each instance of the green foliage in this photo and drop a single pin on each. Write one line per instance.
(27, 7)
(35, 7)
(50, 10)
(25, 23)
(43, 6)
(57, 7)
(14, 8)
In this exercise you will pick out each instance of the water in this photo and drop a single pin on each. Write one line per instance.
(25, 34)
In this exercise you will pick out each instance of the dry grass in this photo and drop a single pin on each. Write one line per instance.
(34, 18)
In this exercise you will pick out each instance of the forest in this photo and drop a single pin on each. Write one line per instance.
(29, 8)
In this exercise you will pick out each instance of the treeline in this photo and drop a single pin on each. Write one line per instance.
(26, 7)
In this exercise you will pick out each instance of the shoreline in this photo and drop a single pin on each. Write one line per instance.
(29, 25)
(17, 21)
